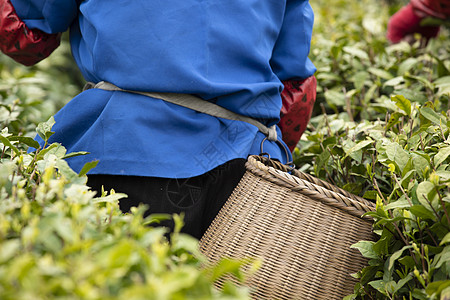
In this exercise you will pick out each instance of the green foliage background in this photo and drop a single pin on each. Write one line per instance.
(380, 129)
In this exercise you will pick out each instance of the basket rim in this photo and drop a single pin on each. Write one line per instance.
(309, 186)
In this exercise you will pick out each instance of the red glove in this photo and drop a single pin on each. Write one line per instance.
(24, 45)
(298, 102)
(406, 22)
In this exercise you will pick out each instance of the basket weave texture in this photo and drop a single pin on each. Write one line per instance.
(299, 226)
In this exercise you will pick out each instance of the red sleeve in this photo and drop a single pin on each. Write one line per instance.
(406, 22)
(24, 45)
(298, 101)
(432, 8)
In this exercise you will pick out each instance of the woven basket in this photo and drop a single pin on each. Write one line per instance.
(301, 227)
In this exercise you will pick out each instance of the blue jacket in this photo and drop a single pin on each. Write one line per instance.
(233, 53)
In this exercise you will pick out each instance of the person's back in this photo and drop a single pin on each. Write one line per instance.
(232, 53)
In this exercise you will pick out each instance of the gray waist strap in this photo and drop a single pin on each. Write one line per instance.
(194, 103)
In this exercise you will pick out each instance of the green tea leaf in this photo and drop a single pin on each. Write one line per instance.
(329, 76)
(427, 195)
(396, 154)
(442, 82)
(25, 140)
(446, 239)
(73, 154)
(445, 293)
(357, 147)
(359, 79)
(368, 273)
(58, 150)
(441, 258)
(396, 255)
(443, 175)
(380, 73)
(394, 119)
(370, 93)
(406, 65)
(335, 98)
(441, 156)
(382, 245)
(432, 116)
(407, 261)
(402, 103)
(421, 79)
(227, 266)
(66, 171)
(87, 167)
(437, 287)
(402, 203)
(356, 52)
(420, 163)
(378, 285)
(402, 282)
(422, 212)
(441, 68)
(44, 129)
(366, 249)
(7, 143)
(394, 81)
(8, 249)
(112, 198)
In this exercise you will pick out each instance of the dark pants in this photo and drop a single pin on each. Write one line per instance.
(200, 197)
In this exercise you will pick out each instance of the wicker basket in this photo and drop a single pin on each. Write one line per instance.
(301, 227)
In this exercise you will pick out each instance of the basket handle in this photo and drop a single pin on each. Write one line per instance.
(275, 172)
(291, 170)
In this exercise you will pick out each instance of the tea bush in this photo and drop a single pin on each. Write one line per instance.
(59, 241)
(381, 131)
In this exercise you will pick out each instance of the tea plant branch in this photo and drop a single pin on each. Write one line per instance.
(374, 181)
(14, 190)
(367, 293)
(421, 143)
(326, 171)
(429, 202)
(386, 120)
(33, 161)
(348, 105)
(443, 205)
(401, 188)
(404, 239)
(411, 124)
(402, 126)
(422, 256)
(431, 235)
(428, 232)
(337, 162)
(325, 116)
(442, 131)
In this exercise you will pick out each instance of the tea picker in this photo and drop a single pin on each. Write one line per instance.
(249, 58)
(409, 20)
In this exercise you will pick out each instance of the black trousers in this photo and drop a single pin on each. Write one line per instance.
(200, 197)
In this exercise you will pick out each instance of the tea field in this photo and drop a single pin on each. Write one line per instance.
(380, 129)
